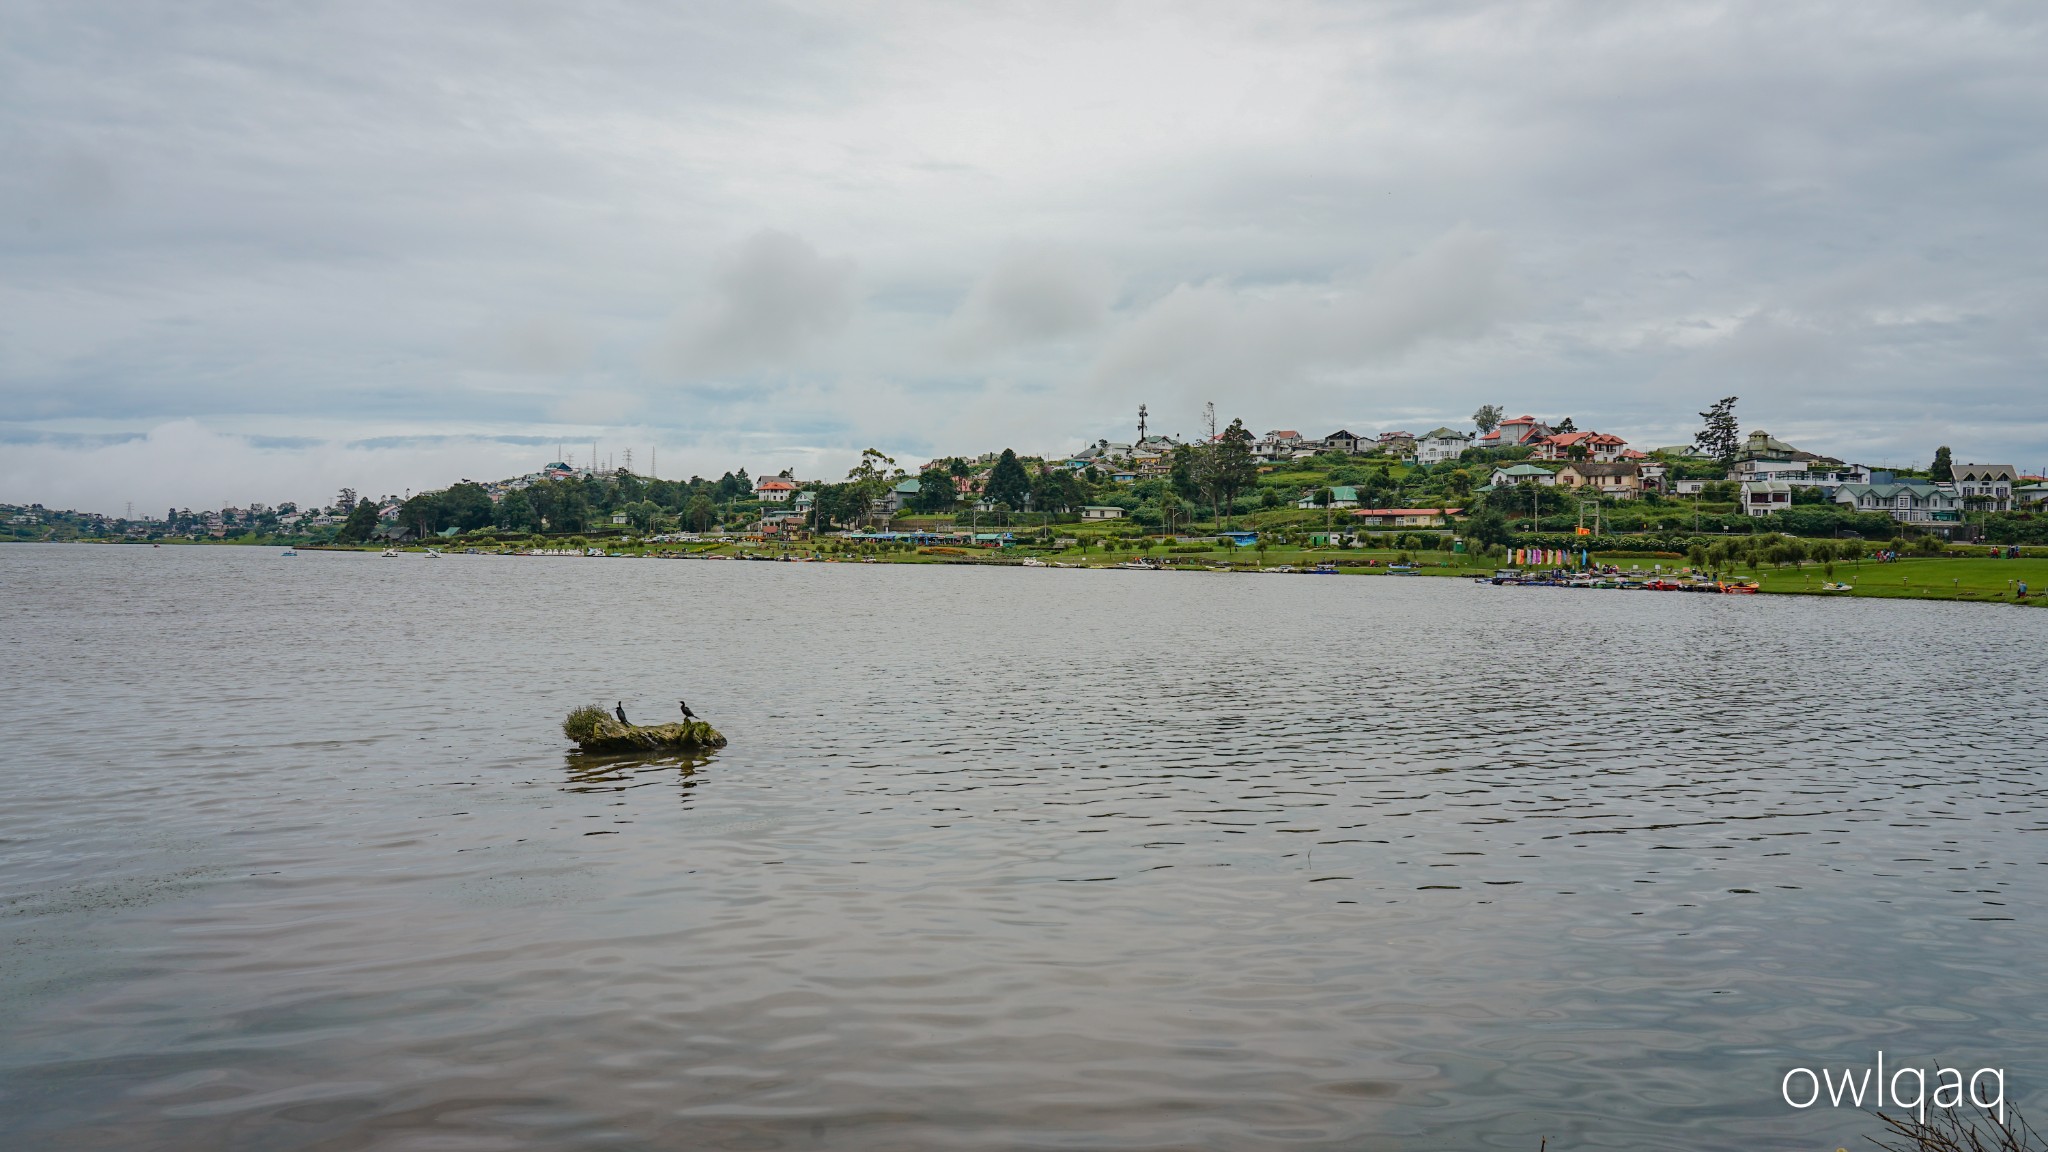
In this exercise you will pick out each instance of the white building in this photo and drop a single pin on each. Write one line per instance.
(1986, 486)
(1763, 497)
(1522, 474)
(1911, 503)
(1801, 473)
(1440, 445)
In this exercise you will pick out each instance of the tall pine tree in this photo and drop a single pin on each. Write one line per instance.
(1721, 437)
(1007, 482)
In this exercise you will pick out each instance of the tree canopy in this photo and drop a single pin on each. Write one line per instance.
(1007, 481)
(362, 520)
(1720, 437)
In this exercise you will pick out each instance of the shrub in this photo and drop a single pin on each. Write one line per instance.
(583, 723)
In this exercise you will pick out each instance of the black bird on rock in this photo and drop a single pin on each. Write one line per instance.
(619, 710)
(687, 714)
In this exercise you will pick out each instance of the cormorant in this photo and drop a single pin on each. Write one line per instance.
(619, 710)
(687, 714)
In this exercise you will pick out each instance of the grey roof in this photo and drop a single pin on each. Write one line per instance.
(1985, 472)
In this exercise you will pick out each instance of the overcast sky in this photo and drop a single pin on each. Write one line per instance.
(252, 251)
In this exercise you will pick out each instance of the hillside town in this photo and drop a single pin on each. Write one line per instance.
(1501, 476)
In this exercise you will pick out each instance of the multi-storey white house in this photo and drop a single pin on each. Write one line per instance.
(1986, 486)
(1441, 444)
(1908, 503)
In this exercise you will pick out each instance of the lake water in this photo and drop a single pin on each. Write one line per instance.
(292, 857)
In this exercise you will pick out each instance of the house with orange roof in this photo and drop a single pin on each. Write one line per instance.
(1593, 445)
(775, 491)
(1520, 432)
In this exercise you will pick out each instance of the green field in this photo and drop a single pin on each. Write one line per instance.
(1976, 579)
(1926, 578)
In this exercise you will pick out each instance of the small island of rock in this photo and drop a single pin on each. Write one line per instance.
(595, 730)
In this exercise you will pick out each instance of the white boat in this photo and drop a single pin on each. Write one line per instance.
(390, 553)
(432, 552)
(289, 552)
(1033, 562)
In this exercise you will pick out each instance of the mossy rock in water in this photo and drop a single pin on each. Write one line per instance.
(596, 730)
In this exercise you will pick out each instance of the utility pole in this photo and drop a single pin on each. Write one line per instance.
(1209, 422)
(1141, 423)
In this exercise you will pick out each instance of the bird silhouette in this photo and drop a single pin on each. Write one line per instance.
(687, 714)
(619, 710)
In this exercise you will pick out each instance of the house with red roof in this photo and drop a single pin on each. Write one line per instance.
(775, 491)
(1594, 445)
(1520, 432)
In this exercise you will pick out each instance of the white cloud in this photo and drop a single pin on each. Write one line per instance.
(1033, 293)
(186, 464)
(772, 299)
(1311, 213)
(1221, 337)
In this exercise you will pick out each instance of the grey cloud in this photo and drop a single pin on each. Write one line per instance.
(279, 219)
(1033, 293)
(772, 299)
(1223, 337)
(536, 345)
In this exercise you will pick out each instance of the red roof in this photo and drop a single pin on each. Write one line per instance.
(775, 486)
(1567, 439)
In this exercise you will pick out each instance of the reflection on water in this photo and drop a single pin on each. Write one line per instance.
(291, 856)
(590, 773)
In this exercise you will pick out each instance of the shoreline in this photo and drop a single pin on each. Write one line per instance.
(1975, 580)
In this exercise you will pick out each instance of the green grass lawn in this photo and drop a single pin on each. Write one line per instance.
(1928, 578)
(1921, 578)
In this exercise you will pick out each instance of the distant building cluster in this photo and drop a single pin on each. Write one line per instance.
(1758, 474)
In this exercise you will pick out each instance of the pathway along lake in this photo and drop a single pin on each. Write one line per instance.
(292, 857)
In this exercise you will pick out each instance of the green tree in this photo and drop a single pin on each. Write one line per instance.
(1488, 417)
(1565, 425)
(936, 492)
(643, 513)
(570, 511)
(1007, 481)
(1490, 528)
(700, 511)
(362, 520)
(515, 512)
(866, 483)
(466, 506)
(1943, 469)
(1720, 436)
(1184, 471)
(421, 514)
(1231, 465)
(1056, 490)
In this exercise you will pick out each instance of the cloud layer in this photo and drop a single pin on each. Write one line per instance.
(773, 235)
